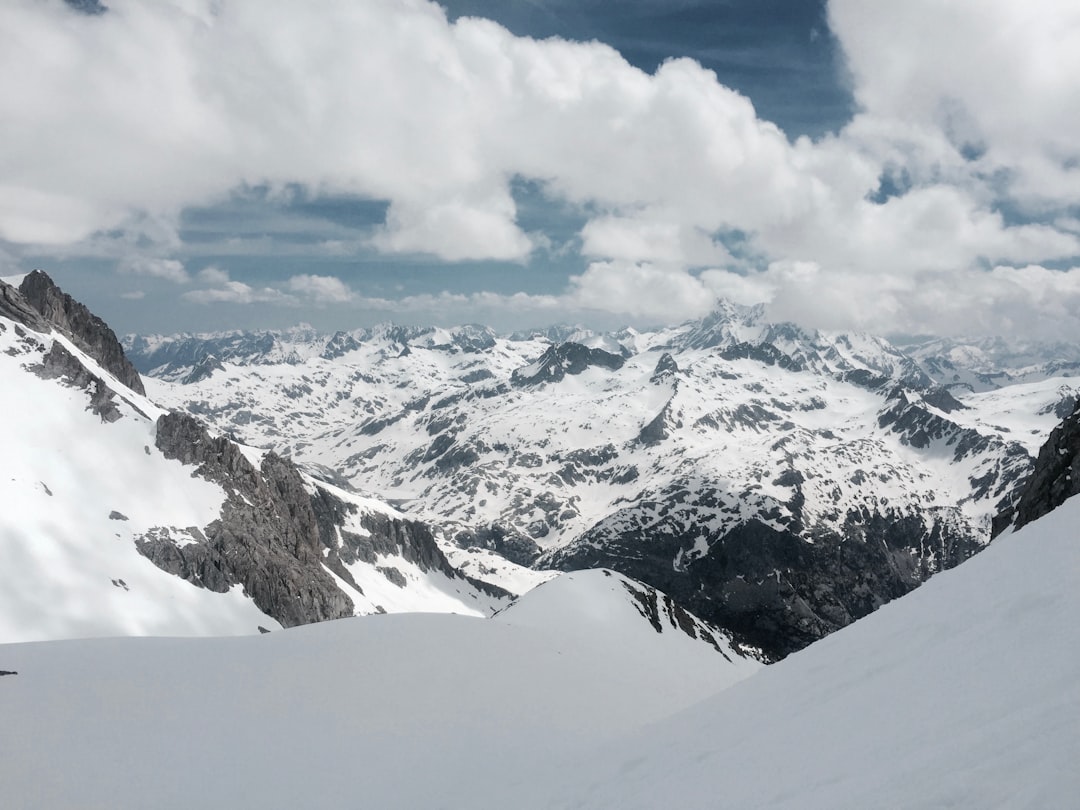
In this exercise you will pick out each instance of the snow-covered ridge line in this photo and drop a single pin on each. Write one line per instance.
(975, 364)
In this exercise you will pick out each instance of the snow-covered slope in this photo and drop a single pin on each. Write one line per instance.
(76, 492)
(101, 523)
(964, 694)
(728, 461)
(384, 711)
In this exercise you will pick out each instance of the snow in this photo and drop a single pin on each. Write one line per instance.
(734, 427)
(67, 568)
(963, 694)
(383, 711)
(490, 566)
(77, 493)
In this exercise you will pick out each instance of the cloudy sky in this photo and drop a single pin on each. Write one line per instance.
(854, 164)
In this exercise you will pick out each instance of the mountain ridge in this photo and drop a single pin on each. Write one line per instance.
(672, 450)
(102, 482)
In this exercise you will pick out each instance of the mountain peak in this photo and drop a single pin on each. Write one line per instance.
(85, 328)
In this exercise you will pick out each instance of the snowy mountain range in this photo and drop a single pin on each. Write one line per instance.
(963, 694)
(776, 481)
(110, 503)
(695, 454)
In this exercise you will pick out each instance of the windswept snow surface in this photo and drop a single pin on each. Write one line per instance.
(410, 711)
(963, 694)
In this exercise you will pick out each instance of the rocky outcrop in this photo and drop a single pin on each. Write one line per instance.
(666, 370)
(278, 535)
(340, 344)
(662, 612)
(59, 363)
(1055, 478)
(203, 370)
(764, 353)
(267, 538)
(774, 588)
(562, 359)
(14, 305)
(474, 339)
(86, 330)
(506, 542)
(659, 427)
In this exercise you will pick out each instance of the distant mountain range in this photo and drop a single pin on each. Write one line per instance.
(779, 482)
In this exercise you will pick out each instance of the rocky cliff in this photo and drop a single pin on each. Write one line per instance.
(88, 331)
(280, 536)
(1055, 478)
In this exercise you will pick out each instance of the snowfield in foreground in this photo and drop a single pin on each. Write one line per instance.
(964, 694)
(410, 710)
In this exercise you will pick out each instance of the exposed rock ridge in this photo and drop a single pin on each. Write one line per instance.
(275, 537)
(14, 305)
(59, 363)
(919, 427)
(662, 612)
(88, 331)
(267, 538)
(1056, 477)
(562, 359)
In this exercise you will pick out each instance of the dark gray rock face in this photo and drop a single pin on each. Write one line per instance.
(662, 612)
(203, 370)
(266, 539)
(565, 358)
(665, 371)
(1056, 477)
(764, 353)
(505, 541)
(340, 343)
(659, 427)
(14, 305)
(88, 331)
(273, 536)
(59, 363)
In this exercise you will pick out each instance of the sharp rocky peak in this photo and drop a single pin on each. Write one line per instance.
(89, 332)
(562, 359)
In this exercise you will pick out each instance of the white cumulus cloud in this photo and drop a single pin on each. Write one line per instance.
(111, 126)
